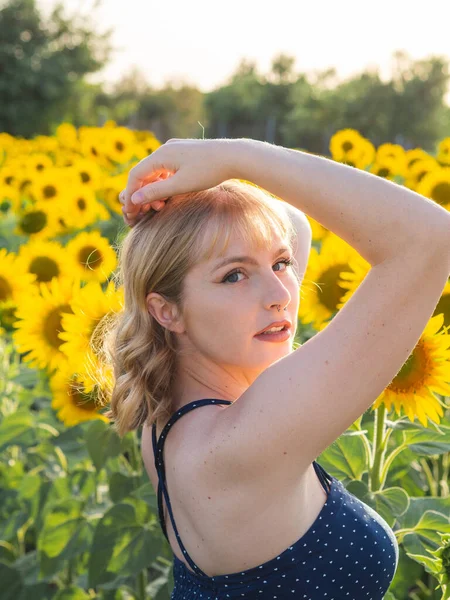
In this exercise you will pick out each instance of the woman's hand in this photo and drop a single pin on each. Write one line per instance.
(177, 167)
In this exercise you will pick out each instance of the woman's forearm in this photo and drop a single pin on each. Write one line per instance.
(377, 217)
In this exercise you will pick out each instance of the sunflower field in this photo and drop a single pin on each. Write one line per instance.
(78, 515)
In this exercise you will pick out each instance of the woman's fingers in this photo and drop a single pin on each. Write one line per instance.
(151, 168)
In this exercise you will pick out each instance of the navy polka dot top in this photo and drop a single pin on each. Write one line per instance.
(349, 552)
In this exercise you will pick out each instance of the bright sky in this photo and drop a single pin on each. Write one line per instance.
(202, 41)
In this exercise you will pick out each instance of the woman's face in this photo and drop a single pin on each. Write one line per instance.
(227, 304)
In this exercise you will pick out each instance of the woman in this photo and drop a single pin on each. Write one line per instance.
(247, 510)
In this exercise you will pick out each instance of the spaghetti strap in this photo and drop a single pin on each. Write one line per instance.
(323, 477)
(158, 446)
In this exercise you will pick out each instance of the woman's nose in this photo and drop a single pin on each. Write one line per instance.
(279, 296)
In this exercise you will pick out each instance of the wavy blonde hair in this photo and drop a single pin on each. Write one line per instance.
(155, 256)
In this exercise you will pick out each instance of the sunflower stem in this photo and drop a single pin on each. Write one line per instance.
(444, 482)
(142, 585)
(429, 475)
(379, 448)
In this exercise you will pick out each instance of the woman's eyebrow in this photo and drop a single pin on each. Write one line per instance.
(244, 259)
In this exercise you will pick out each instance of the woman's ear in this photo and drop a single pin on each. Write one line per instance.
(165, 312)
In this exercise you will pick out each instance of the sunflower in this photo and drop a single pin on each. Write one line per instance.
(87, 173)
(320, 302)
(7, 141)
(111, 189)
(70, 398)
(66, 158)
(9, 199)
(91, 147)
(413, 155)
(7, 317)
(37, 222)
(343, 141)
(436, 186)
(90, 305)
(14, 280)
(38, 162)
(45, 143)
(387, 167)
(51, 185)
(425, 372)
(67, 135)
(91, 256)
(39, 315)
(418, 170)
(146, 145)
(82, 208)
(8, 175)
(44, 260)
(119, 145)
(360, 156)
(443, 154)
(395, 153)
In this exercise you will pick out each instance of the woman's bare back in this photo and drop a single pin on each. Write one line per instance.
(227, 527)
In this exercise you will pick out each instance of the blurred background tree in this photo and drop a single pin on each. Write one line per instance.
(44, 66)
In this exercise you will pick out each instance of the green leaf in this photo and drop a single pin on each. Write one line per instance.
(11, 583)
(120, 486)
(28, 567)
(432, 565)
(65, 534)
(147, 493)
(9, 528)
(71, 593)
(428, 442)
(102, 443)
(72, 442)
(82, 483)
(29, 491)
(345, 458)
(17, 429)
(123, 543)
(424, 534)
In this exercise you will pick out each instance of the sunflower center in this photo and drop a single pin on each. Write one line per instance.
(443, 306)
(9, 179)
(441, 193)
(94, 151)
(53, 325)
(422, 174)
(384, 172)
(413, 372)
(346, 146)
(330, 292)
(25, 183)
(44, 267)
(33, 222)
(90, 257)
(81, 203)
(39, 167)
(119, 146)
(49, 191)
(85, 177)
(5, 289)
(82, 400)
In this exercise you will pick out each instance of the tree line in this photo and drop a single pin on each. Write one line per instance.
(44, 64)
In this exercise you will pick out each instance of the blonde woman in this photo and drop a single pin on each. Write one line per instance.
(233, 418)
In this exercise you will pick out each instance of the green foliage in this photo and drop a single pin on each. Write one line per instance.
(78, 515)
(42, 64)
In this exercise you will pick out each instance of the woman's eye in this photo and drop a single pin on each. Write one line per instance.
(287, 262)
